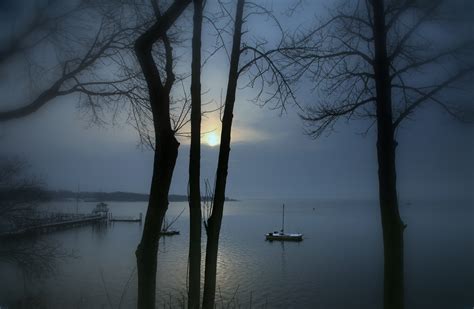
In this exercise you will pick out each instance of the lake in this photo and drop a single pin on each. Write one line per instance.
(339, 264)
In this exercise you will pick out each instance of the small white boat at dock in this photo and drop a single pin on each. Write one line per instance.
(101, 209)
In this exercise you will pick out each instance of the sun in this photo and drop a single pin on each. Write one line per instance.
(212, 139)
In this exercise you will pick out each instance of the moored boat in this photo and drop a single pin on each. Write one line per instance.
(101, 209)
(169, 232)
(281, 235)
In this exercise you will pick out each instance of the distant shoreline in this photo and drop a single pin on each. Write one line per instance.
(117, 196)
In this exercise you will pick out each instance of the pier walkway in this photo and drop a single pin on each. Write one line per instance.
(54, 222)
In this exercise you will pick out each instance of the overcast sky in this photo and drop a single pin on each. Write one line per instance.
(271, 156)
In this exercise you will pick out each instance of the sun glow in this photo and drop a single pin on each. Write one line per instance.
(212, 139)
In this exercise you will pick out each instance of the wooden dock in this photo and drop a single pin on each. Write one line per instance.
(48, 224)
(125, 218)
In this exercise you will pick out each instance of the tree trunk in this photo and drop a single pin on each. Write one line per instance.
(215, 220)
(166, 154)
(392, 224)
(195, 164)
(166, 150)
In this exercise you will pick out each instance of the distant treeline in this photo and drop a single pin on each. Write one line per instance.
(111, 196)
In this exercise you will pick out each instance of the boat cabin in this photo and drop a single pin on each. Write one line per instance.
(101, 209)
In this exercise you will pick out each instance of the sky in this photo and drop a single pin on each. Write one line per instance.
(271, 157)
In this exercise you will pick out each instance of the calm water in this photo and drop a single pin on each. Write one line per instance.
(338, 265)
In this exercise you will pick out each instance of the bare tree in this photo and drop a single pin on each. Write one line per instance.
(166, 145)
(20, 195)
(215, 220)
(373, 59)
(265, 68)
(195, 163)
(79, 64)
(102, 70)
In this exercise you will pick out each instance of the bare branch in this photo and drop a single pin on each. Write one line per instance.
(429, 95)
(324, 117)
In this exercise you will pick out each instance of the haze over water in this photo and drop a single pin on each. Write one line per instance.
(339, 264)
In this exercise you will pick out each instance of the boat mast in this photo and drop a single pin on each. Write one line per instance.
(77, 197)
(283, 220)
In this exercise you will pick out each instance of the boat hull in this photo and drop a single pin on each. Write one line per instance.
(284, 237)
(169, 233)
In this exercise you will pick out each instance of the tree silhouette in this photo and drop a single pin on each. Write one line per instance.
(195, 216)
(166, 145)
(20, 195)
(102, 70)
(264, 67)
(215, 220)
(85, 41)
(373, 59)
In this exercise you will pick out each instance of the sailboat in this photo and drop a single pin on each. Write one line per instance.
(281, 235)
(166, 228)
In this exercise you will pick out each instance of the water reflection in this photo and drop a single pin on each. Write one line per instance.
(100, 229)
(338, 265)
(283, 259)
